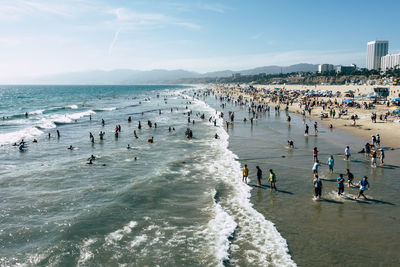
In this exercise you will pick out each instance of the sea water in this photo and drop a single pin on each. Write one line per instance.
(181, 202)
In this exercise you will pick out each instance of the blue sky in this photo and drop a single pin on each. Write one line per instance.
(51, 36)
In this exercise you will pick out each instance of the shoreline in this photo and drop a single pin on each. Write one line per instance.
(333, 225)
(363, 129)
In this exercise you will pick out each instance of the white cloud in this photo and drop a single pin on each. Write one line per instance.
(215, 7)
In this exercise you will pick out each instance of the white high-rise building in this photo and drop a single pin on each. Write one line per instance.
(376, 50)
(390, 61)
(325, 68)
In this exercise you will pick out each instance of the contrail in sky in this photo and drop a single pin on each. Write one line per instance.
(110, 48)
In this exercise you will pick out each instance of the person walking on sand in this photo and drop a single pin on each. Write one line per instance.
(317, 187)
(364, 185)
(331, 163)
(347, 153)
(272, 179)
(259, 175)
(340, 183)
(245, 173)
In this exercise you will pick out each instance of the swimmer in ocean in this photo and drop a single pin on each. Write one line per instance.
(128, 147)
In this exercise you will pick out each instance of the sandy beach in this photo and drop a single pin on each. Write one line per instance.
(364, 127)
(337, 230)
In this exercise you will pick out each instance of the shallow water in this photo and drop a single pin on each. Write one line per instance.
(336, 230)
(180, 203)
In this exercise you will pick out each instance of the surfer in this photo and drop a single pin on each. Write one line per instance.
(216, 136)
(150, 140)
(58, 134)
(103, 122)
(70, 147)
(139, 126)
(245, 173)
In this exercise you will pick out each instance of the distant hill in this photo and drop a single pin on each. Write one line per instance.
(158, 76)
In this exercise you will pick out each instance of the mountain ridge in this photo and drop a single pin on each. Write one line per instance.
(156, 76)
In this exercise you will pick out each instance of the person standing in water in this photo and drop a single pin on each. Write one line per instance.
(306, 131)
(259, 175)
(331, 163)
(272, 179)
(347, 153)
(245, 173)
(350, 177)
(315, 154)
(364, 185)
(340, 183)
(317, 187)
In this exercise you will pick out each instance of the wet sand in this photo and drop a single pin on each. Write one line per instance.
(333, 231)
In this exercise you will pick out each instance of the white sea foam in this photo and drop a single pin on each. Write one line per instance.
(50, 121)
(106, 109)
(138, 240)
(259, 236)
(120, 233)
(85, 253)
(37, 112)
(16, 136)
(222, 228)
(73, 106)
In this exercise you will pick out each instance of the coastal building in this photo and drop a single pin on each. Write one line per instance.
(322, 68)
(346, 69)
(390, 61)
(375, 51)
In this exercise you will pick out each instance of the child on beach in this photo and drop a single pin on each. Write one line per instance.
(364, 185)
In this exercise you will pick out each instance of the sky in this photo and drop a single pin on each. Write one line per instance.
(39, 37)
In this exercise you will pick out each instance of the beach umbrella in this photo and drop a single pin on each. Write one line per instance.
(395, 108)
(396, 99)
(348, 101)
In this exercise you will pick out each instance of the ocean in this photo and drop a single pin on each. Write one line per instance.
(174, 202)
